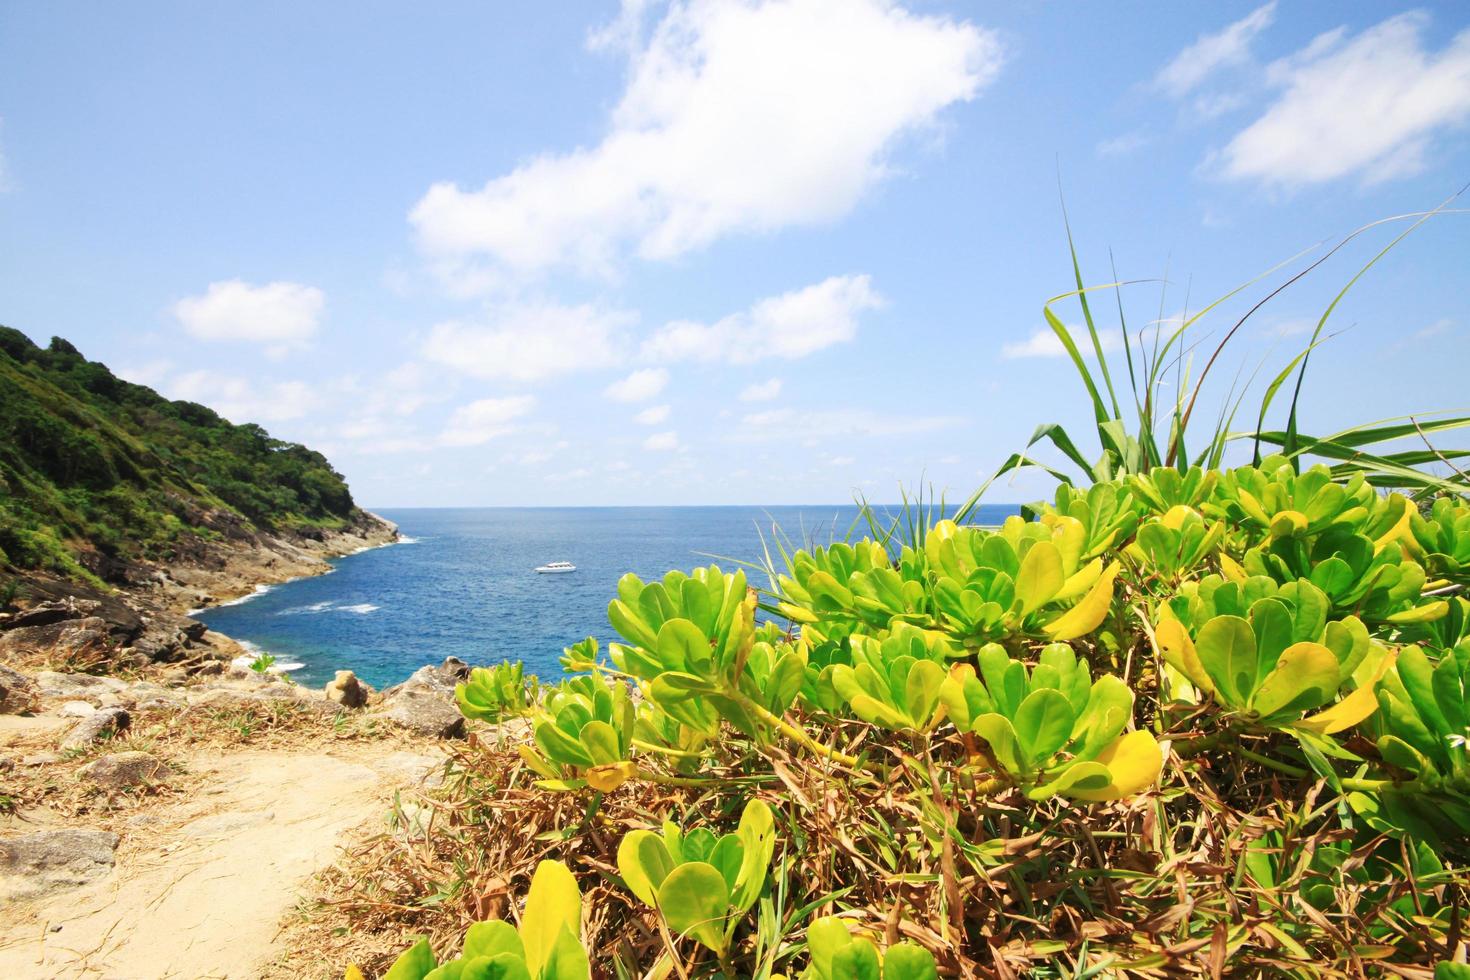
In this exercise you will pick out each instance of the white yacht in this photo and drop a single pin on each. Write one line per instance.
(556, 568)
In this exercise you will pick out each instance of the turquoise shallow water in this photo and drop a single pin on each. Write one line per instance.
(463, 584)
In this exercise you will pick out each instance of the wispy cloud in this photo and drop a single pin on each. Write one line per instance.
(761, 391)
(653, 415)
(639, 386)
(483, 420)
(662, 442)
(1187, 70)
(1045, 343)
(790, 326)
(529, 342)
(786, 424)
(1368, 106)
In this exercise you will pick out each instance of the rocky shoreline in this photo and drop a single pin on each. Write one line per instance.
(145, 619)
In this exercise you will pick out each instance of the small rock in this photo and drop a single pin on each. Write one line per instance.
(77, 709)
(48, 861)
(6, 763)
(40, 759)
(347, 690)
(18, 693)
(106, 723)
(86, 687)
(426, 713)
(124, 770)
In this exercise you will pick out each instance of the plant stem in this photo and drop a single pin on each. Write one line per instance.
(798, 735)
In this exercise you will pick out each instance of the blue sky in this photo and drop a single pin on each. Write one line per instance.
(714, 252)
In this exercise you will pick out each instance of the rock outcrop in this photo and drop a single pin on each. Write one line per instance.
(123, 771)
(37, 864)
(106, 723)
(18, 693)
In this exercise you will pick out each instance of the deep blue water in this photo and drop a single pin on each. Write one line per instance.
(462, 583)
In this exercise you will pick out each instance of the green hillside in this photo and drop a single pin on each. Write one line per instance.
(97, 473)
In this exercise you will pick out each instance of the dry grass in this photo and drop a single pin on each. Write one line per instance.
(1156, 885)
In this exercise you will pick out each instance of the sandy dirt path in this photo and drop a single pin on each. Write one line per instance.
(201, 887)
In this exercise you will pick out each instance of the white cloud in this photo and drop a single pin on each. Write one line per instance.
(282, 314)
(483, 420)
(639, 386)
(737, 116)
(791, 325)
(1120, 146)
(662, 442)
(529, 342)
(1045, 343)
(1368, 105)
(241, 399)
(761, 391)
(1211, 52)
(653, 415)
(785, 425)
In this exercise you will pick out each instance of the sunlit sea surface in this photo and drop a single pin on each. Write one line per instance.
(462, 583)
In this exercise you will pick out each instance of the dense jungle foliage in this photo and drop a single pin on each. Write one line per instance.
(91, 465)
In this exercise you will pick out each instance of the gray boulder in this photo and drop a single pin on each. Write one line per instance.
(38, 864)
(426, 713)
(77, 687)
(124, 770)
(18, 693)
(65, 636)
(106, 723)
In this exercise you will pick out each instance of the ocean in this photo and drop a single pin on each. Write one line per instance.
(461, 583)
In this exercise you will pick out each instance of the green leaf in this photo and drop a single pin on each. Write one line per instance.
(681, 646)
(694, 900)
(858, 960)
(644, 862)
(1043, 725)
(825, 938)
(414, 963)
(909, 961)
(1305, 677)
(757, 832)
(1226, 648)
(567, 960)
(490, 938)
(1040, 576)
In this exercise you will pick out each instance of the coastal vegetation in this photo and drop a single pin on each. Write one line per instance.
(1189, 715)
(97, 472)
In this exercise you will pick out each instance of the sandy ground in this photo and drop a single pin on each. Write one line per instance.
(202, 884)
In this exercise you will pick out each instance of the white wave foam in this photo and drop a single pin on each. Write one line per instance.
(315, 607)
(362, 608)
(406, 539)
(260, 590)
(244, 661)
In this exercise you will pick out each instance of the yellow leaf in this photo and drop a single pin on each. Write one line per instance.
(1135, 761)
(606, 778)
(1287, 523)
(1231, 569)
(536, 762)
(353, 973)
(1177, 649)
(1402, 528)
(554, 903)
(1175, 516)
(1252, 507)
(1426, 613)
(1070, 537)
(1352, 709)
(1088, 614)
(1081, 580)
